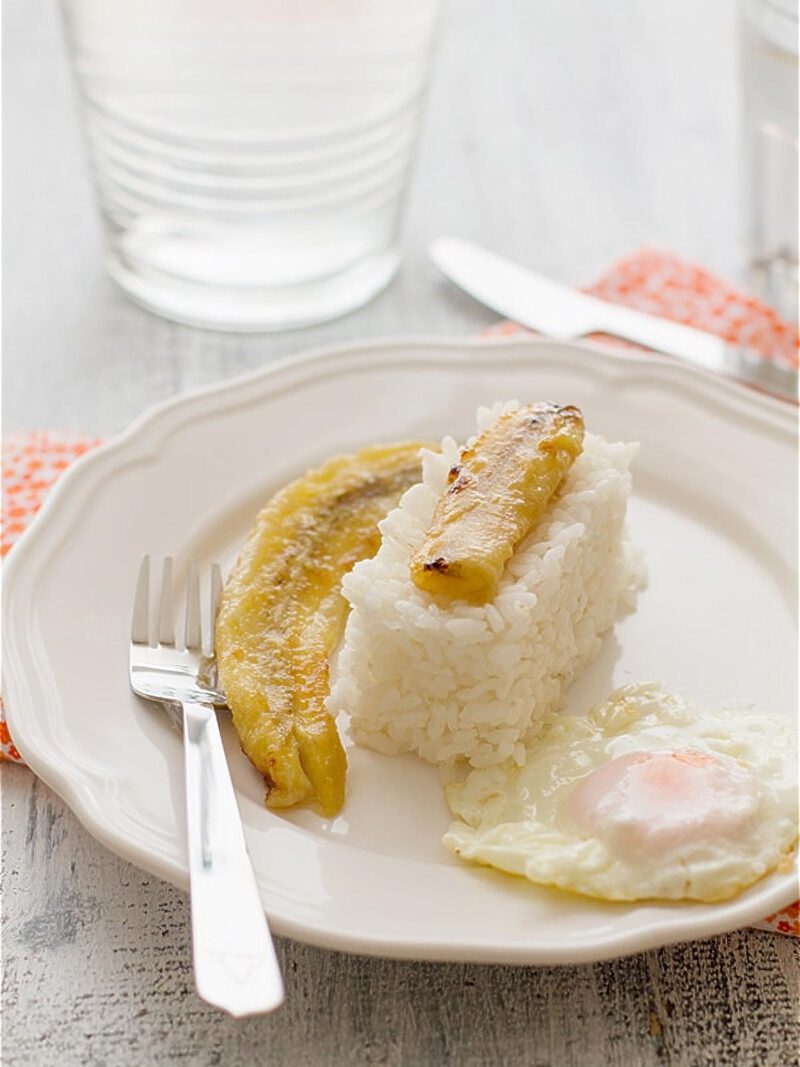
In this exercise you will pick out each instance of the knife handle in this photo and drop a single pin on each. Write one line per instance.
(661, 335)
(775, 376)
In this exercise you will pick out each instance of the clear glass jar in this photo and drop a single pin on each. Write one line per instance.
(769, 49)
(251, 157)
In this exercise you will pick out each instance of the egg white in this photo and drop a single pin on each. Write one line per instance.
(520, 820)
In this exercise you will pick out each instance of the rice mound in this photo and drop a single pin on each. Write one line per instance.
(463, 681)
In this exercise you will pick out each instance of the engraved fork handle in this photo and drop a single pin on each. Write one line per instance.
(234, 960)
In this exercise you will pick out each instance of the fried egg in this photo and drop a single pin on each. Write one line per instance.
(644, 797)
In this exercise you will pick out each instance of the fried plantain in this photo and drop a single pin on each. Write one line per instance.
(495, 495)
(282, 613)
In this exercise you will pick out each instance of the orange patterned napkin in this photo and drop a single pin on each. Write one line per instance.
(661, 284)
(31, 463)
(649, 280)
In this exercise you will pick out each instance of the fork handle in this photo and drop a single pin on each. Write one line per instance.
(234, 959)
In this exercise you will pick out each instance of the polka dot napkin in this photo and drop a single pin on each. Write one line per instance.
(31, 464)
(648, 280)
(660, 283)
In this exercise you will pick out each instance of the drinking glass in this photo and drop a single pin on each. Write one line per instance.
(251, 157)
(769, 80)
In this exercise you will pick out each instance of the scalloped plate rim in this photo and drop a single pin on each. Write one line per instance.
(77, 792)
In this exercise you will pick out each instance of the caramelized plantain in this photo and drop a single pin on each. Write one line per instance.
(282, 613)
(495, 496)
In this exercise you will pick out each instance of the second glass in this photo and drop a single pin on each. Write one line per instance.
(770, 82)
(252, 156)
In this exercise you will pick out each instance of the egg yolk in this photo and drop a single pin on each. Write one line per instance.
(651, 801)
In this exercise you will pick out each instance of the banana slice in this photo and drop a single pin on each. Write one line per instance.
(282, 613)
(495, 496)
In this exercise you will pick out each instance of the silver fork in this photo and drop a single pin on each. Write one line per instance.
(234, 959)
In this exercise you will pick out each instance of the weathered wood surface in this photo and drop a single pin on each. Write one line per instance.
(562, 134)
(98, 973)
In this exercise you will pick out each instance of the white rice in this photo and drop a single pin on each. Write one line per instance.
(467, 681)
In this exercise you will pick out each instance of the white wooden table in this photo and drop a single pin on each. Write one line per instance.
(562, 134)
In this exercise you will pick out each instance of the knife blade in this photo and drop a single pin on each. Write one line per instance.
(565, 314)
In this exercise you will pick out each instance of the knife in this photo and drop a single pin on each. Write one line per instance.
(564, 314)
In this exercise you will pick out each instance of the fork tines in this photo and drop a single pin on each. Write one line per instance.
(149, 628)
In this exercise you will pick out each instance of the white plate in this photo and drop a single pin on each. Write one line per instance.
(713, 508)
